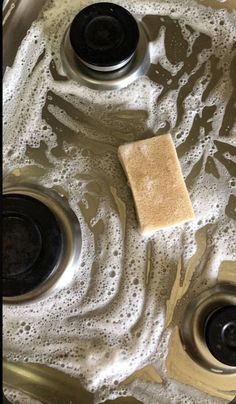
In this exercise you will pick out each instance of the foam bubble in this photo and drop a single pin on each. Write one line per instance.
(98, 323)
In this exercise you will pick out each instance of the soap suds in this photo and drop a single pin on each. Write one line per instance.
(107, 321)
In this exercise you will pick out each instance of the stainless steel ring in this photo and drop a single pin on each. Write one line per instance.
(109, 80)
(192, 326)
(71, 234)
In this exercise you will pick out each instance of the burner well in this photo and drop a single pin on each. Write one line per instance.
(104, 36)
(220, 334)
(32, 246)
(41, 242)
(112, 58)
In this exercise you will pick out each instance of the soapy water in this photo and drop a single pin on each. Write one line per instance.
(107, 320)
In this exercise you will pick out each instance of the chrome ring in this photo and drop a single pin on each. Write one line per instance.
(71, 234)
(136, 67)
(192, 327)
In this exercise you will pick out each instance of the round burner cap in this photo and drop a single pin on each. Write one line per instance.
(32, 244)
(220, 334)
(104, 36)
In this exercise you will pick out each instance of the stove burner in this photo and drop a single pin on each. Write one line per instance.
(32, 244)
(104, 36)
(105, 48)
(208, 329)
(220, 334)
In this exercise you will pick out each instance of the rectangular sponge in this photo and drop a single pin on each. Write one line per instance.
(159, 191)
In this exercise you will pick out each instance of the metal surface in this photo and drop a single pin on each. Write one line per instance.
(104, 36)
(189, 359)
(106, 69)
(17, 18)
(70, 232)
(137, 67)
(42, 382)
(50, 386)
(192, 328)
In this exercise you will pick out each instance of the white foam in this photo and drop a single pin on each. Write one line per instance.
(98, 323)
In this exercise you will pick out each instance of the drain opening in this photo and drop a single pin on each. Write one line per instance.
(220, 334)
(208, 329)
(32, 244)
(42, 242)
(105, 47)
(104, 36)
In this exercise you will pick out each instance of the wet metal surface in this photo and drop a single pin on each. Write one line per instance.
(48, 384)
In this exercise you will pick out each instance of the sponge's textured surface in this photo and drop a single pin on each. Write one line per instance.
(154, 174)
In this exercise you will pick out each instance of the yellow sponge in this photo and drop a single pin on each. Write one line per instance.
(154, 174)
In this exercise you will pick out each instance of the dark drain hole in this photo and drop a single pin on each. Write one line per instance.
(220, 334)
(104, 36)
(32, 244)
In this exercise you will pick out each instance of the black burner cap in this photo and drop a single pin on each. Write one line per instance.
(32, 244)
(104, 35)
(220, 334)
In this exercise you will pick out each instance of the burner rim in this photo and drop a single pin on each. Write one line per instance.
(71, 239)
(192, 328)
(99, 80)
(97, 57)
